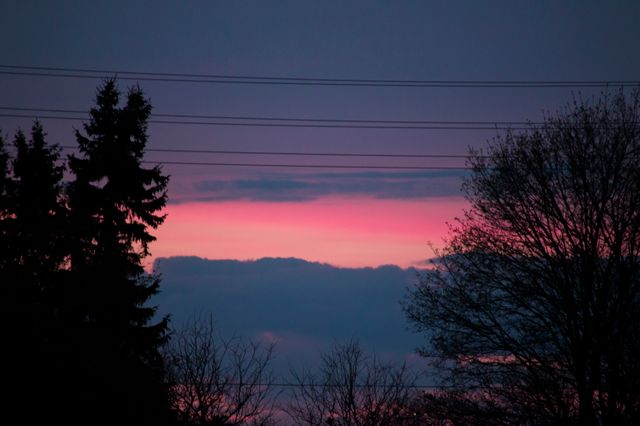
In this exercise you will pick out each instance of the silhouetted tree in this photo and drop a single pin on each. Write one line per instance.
(215, 381)
(32, 256)
(6, 193)
(38, 206)
(352, 388)
(114, 201)
(532, 309)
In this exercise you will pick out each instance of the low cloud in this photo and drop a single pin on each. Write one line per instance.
(306, 187)
(305, 306)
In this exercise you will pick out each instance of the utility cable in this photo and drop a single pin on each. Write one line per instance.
(299, 81)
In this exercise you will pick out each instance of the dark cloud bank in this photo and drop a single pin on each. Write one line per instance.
(310, 186)
(305, 306)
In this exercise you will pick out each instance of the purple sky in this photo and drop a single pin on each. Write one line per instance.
(493, 41)
(400, 40)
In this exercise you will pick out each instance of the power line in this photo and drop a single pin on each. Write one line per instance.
(286, 121)
(305, 166)
(246, 124)
(329, 126)
(277, 153)
(300, 81)
(531, 126)
(292, 153)
(293, 119)
(355, 385)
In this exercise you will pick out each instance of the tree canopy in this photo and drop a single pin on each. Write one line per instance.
(114, 201)
(32, 224)
(532, 309)
(82, 340)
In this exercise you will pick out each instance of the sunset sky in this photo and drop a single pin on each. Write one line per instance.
(345, 217)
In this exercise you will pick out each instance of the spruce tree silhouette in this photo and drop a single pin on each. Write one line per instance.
(38, 207)
(117, 369)
(6, 192)
(33, 217)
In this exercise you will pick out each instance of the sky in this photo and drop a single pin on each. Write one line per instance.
(406, 40)
(344, 217)
(323, 305)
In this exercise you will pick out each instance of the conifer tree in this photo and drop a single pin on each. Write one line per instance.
(33, 253)
(6, 227)
(38, 206)
(114, 201)
(6, 184)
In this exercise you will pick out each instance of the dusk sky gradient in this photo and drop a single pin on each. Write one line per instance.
(366, 40)
(342, 217)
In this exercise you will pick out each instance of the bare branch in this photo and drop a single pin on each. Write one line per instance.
(216, 381)
(352, 388)
(530, 308)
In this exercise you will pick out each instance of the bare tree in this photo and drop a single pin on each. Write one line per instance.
(352, 388)
(533, 308)
(216, 381)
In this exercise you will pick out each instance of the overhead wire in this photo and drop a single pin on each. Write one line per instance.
(311, 125)
(354, 385)
(293, 119)
(287, 121)
(294, 153)
(83, 73)
(250, 121)
(274, 153)
(263, 153)
(298, 165)
(306, 166)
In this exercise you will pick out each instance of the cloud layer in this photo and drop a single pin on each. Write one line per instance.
(304, 306)
(311, 186)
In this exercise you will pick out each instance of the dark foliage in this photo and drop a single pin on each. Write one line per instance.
(6, 206)
(532, 311)
(113, 202)
(80, 345)
(32, 222)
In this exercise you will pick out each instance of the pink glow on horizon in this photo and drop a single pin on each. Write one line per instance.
(343, 232)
